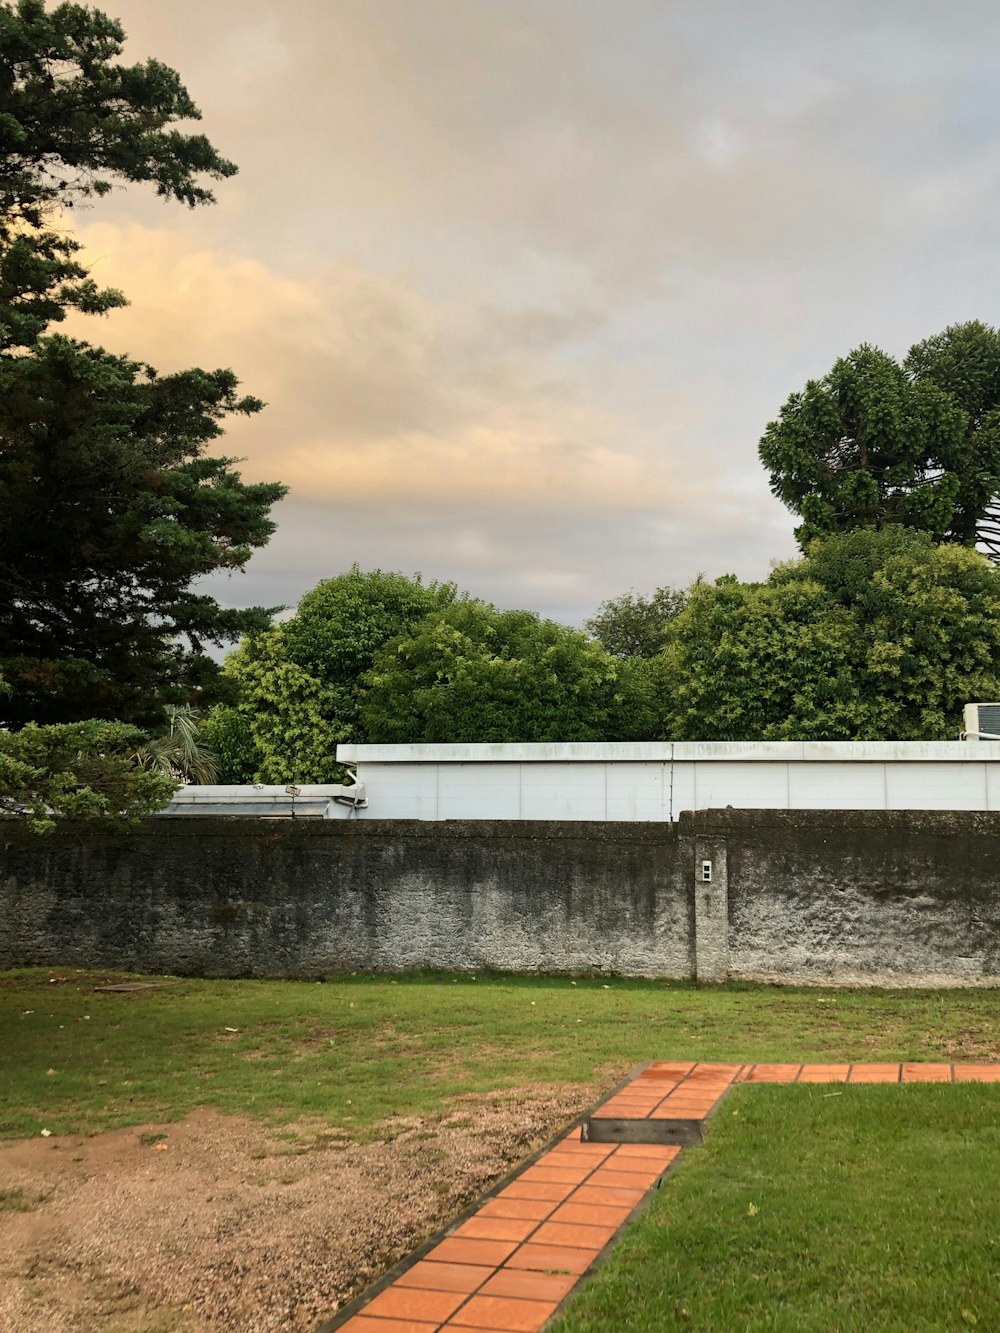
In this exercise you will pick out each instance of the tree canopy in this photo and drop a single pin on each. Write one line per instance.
(635, 626)
(74, 122)
(473, 673)
(871, 635)
(81, 770)
(378, 657)
(74, 119)
(299, 683)
(877, 442)
(874, 634)
(964, 362)
(109, 508)
(110, 505)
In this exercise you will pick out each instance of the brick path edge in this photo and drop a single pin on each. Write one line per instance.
(511, 1259)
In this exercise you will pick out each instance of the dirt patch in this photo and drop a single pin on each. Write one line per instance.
(975, 1045)
(220, 1223)
(29, 980)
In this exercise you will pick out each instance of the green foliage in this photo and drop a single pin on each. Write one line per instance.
(287, 724)
(380, 657)
(40, 280)
(108, 510)
(341, 625)
(868, 445)
(299, 682)
(75, 121)
(873, 635)
(876, 442)
(636, 626)
(109, 506)
(964, 362)
(472, 673)
(181, 752)
(81, 770)
(228, 735)
(756, 662)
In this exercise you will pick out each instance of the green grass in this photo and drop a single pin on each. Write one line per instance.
(817, 1210)
(872, 1207)
(355, 1051)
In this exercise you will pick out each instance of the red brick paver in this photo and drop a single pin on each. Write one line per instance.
(507, 1267)
(824, 1074)
(664, 1091)
(977, 1073)
(774, 1073)
(926, 1073)
(875, 1074)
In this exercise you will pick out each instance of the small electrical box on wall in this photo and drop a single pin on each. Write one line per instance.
(706, 872)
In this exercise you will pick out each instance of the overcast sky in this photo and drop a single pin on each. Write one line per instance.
(522, 281)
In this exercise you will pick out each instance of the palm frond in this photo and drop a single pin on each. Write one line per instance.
(180, 753)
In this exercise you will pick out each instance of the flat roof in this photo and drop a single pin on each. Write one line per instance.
(676, 752)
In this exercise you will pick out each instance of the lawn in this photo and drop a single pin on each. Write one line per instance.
(357, 1050)
(817, 1210)
(825, 1207)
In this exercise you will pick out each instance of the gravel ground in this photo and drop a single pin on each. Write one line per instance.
(221, 1223)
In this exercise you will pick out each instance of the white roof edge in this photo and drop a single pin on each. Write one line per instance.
(680, 752)
(258, 791)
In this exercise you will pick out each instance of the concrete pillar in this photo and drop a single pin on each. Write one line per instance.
(711, 910)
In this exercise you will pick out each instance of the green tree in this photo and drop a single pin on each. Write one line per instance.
(868, 445)
(287, 723)
(74, 122)
(300, 682)
(109, 508)
(473, 673)
(635, 626)
(109, 505)
(81, 771)
(964, 362)
(228, 735)
(872, 635)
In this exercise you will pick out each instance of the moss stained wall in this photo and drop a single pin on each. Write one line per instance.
(840, 897)
(238, 897)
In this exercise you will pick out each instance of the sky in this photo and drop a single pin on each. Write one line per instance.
(523, 281)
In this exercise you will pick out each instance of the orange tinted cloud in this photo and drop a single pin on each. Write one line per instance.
(374, 391)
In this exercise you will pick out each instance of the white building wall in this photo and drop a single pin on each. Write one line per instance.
(655, 781)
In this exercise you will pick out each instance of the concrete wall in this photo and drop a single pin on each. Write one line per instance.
(657, 780)
(230, 897)
(861, 897)
(886, 898)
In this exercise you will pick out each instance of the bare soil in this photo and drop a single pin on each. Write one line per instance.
(221, 1223)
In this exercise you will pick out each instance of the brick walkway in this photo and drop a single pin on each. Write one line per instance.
(508, 1266)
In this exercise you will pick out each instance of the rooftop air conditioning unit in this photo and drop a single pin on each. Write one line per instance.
(982, 722)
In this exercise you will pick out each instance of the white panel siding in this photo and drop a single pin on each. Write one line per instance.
(679, 779)
(563, 791)
(402, 791)
(658, 780)
(935, 787)
(478, 791)
(837, 786)
(636, 791)
(744, 786)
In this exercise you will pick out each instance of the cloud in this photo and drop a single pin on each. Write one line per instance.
(374, 391)
(522, 283)
(562, 563)
(479, 139)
